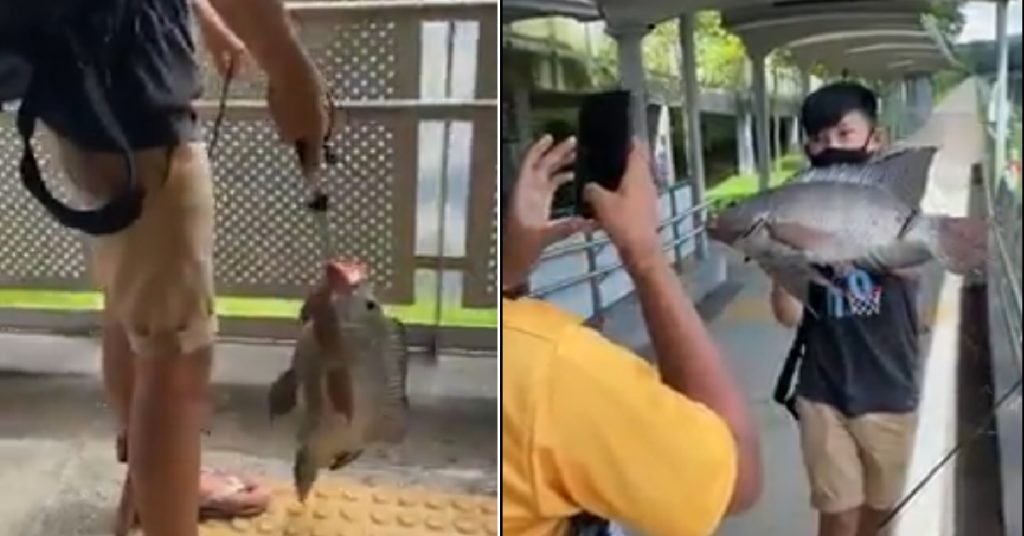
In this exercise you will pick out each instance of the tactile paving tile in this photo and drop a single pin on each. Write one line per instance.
(345, 508)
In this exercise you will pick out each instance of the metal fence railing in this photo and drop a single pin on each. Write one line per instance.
(1003, 205)
(584, 264)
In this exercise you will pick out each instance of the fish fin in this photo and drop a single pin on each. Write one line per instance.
(905, 173)
(818, 277)
(959, 244)
(804, 238)
(898, 255)
(338, 384)
(283, 394)
(902, 171)
(344, 459)
(394, 416)
(304, 472)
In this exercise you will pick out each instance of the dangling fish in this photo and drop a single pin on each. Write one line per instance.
(350, 363)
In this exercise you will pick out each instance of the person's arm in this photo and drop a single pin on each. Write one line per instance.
(690, 362)
(688, 358)
(295, 92)
(611, 438)
(223, 45)
(788, 310)
(265, 28)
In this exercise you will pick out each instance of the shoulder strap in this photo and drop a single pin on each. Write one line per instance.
(585, 524)
(120, 212)
(785, 392)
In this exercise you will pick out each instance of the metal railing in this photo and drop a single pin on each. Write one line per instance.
(594, 244)
(1003, 204)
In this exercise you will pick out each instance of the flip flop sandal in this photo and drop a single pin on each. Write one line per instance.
(238, 497)
(225, 504)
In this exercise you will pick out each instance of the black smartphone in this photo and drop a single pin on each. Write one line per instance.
(604, 134)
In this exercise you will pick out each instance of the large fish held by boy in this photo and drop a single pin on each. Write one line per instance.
(847, 216)
(350, 364)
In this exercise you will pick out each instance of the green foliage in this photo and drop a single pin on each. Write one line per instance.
(722, 56)
(947, 80)
(949, 17)
(741, 186)
(661, 48)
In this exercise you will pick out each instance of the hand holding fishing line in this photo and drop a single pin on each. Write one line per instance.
(227, 51)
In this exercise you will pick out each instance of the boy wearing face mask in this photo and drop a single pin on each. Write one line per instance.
(856, 393)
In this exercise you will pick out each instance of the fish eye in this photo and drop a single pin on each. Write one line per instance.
(371, 305)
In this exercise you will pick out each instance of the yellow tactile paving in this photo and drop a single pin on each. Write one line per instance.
(345, 508)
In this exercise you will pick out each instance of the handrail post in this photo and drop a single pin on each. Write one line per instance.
(677, 250)
(595, 285)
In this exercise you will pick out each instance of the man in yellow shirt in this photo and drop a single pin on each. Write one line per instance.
(589, 430)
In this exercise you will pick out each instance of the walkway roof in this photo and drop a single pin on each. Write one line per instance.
(873, 38)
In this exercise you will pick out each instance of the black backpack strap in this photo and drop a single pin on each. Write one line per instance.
(125, 207)
(785, 385)
(586, 524)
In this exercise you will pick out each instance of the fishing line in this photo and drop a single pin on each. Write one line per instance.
(222, 106)
(978, 432)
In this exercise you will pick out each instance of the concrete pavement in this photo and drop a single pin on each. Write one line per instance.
(756, 346)
(58, 475)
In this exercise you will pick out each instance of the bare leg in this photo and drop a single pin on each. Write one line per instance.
(840, 524)
(118, 379)
(163, 432)
(118, 371)
(869, 521)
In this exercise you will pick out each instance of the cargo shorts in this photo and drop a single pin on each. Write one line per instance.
(854, 462)
(156, 275)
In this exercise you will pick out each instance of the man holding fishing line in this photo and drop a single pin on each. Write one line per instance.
(114, 81)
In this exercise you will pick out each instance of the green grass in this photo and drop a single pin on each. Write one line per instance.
(234, 306)
(743, 185)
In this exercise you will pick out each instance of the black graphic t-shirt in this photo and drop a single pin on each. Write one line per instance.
(862, 345)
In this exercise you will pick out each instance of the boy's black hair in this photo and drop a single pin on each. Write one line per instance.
(827, 106)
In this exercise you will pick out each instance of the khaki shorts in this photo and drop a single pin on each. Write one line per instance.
(156, 275)
(854, 462)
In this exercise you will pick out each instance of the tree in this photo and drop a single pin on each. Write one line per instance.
(949, 17)
(721, 55)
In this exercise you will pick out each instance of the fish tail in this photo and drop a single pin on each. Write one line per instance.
(959, 244)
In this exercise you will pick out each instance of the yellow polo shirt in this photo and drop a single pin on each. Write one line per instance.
(588, 426)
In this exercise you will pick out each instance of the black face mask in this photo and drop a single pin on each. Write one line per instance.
(833, 156)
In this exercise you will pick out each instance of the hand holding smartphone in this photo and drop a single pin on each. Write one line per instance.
(603, 141)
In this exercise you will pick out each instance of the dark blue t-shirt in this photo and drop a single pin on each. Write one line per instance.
(862, 347)
(149, 75)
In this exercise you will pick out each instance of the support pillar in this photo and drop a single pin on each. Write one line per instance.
(794, 134)
(1001, 89)
(631, 73)
(694, 138)
(744, 139)
(760, 101)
